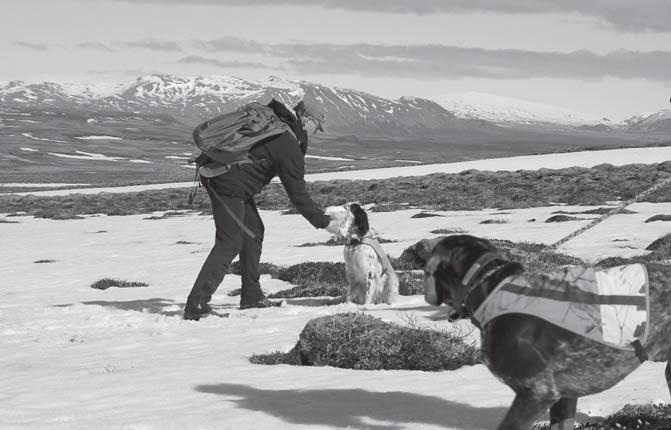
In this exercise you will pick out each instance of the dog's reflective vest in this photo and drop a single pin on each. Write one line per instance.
(609, 306)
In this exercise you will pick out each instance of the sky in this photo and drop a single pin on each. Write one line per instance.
(604, 58)
(123, 358)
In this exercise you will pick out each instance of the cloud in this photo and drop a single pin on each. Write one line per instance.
(197, 59)
(34, 46)
(624, 15)
(452, 62)
(95, 45)
(151, 44)
(230, 44)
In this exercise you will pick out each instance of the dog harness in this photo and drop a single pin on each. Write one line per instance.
(610, 306)
(381, 255)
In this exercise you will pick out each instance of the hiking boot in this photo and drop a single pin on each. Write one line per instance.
(194, 313)
(191, 315)
(265, 303)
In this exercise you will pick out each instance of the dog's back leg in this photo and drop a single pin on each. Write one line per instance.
(562, 413)
(524, 411)
(667, 373)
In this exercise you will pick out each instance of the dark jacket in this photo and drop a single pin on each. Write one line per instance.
(277, 156)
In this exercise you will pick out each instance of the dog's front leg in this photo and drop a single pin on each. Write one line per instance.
(371, 288)
(524, 411)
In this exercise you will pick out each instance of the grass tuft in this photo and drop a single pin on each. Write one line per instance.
(105, 283)
(448, 231)
(425, 215)
(494, 221)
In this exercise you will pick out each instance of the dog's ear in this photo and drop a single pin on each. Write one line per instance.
(360, 219)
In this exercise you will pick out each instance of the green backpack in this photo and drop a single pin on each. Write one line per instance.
(228, 138)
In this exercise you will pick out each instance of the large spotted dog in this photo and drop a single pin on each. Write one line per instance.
(548, 366)
(370, 276)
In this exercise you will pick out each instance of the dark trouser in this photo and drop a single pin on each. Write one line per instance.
(231, 240)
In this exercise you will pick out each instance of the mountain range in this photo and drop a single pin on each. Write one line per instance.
(348, 111)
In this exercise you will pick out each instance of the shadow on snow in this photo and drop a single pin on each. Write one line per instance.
(347, 408)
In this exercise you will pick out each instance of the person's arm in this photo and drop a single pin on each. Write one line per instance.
(290, 166)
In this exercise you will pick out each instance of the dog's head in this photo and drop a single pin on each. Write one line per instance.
(444, 272)
(352, 219)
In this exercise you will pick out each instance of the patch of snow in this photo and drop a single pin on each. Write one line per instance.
(30, 135)
(87, 156)
(28, 149)
(409, 161)
(99, 138)
(28, 185)
(319, 157)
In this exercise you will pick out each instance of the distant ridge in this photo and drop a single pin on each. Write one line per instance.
(350, 112)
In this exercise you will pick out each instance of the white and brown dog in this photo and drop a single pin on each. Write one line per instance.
(370, 276)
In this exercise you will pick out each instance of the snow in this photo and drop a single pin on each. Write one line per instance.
(78, 358)
(28, 149)
(96, 157)
(30, 136)
(319, 157)
(663, 115)
(92, 90)
(29, 185)
(99, 138)
(495, 108)
(616, 157)
(87, 156)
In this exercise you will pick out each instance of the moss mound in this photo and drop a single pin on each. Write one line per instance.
(362, 342)
(630, 417)
(410, 283)
(533, 256)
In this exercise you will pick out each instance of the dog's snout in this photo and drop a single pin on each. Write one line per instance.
(453, 315)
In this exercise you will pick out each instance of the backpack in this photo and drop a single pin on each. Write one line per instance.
(227, 139)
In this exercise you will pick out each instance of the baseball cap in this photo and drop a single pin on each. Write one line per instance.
(312, 110)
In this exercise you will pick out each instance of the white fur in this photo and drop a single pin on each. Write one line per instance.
(368, 283)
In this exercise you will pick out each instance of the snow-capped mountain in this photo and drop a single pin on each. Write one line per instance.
(197, 98)
(506, 110)
(659, 121)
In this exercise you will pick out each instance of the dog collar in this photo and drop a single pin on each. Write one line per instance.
(479, 264)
